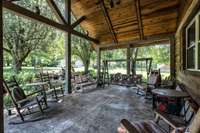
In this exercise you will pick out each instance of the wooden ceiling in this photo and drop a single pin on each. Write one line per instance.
(130, 20)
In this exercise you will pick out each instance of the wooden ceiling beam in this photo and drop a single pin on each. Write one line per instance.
(56, 11)
(138, 43)
(78, 22)
(139, 18)
(108, 20)
(36, 17)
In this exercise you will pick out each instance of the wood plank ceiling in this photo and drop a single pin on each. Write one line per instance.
(130, 20)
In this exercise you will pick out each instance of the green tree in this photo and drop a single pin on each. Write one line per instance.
(22, 36)
(83, 50)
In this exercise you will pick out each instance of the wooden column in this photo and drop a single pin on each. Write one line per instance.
(172, 56)
(68, 47)
(1, 70)
(128, 57)
(98, 64)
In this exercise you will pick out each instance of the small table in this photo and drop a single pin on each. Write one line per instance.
(169, 93)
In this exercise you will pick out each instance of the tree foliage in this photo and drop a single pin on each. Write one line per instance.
(82, 49)
(21, 36)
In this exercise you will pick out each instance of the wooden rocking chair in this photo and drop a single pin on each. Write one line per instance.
(150, 126)
(153, 82)
(21, 101)
(52, 89)
(84, 81)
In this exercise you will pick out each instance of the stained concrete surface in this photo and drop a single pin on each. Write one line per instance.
(98, 111)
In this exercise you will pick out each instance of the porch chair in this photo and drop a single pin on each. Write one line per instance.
(117, 78)
(51, 89)
(168, 82)
(151, 126)
(84, 81)
(153, 82)
(112, 78)
(182, 120)
(23, 102)
(133, 80)
(124, 79)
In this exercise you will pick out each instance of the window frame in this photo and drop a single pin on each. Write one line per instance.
(195, 20)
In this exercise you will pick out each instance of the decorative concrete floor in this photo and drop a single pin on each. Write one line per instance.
(98, 111)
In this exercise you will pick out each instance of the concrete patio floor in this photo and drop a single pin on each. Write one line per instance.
(98, 111)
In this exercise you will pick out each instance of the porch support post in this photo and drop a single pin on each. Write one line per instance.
(98, 64)
(1, 70)
(68, 86)
(128, 58)
(172, 56)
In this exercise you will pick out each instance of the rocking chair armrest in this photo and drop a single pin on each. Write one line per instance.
(24, 100)
(36, 92)
(168, 120)
(150, 84)
(128, 126)
(166, 86)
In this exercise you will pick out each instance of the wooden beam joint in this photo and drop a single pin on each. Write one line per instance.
(78, 22)
(39, 18)
(56, 11)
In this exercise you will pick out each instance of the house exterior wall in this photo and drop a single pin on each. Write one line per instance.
(190, 79)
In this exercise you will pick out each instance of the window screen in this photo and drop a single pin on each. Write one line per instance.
(191, 47)
(191, 35)
(191, 58)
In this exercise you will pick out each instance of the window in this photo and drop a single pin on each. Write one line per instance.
(193, 44)
(199, 44)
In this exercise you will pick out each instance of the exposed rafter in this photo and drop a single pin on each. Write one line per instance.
(151, 40)
(78, 21)
(108, 20)
(139, 18)
(33, 16)
(56, 11)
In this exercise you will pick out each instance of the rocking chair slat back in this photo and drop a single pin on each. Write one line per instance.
(14, 90)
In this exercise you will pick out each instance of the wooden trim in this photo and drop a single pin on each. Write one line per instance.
(108, 21)
(172, 57)
(151, 40)
(128, 57)
(194, 20)
(123, 60)
(78, 22)
(68, 47)
(139, 18)
(1, 71)
(56, 11)
(98, 64)
(35, 17)
(190, 12)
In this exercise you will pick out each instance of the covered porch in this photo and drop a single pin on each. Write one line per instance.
(110, 25)
(97, 111)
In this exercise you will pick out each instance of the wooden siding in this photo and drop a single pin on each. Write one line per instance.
(190, 79)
